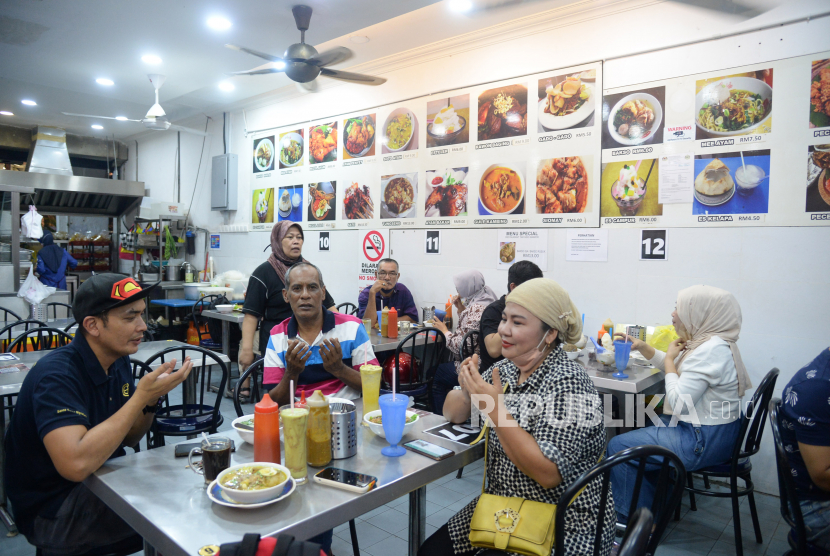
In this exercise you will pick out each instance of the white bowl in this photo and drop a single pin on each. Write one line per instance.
(245, 434)
(573, 355)
(606, 358)
(755, 86)
(398, 112)
(378, 429)
(650, 132)
(253, 496)
(224, 308)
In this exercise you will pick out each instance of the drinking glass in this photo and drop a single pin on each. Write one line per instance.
(367, 324)
(393, 415)
(622, 351)
(216, 457)
(294, 422)
(370, 376)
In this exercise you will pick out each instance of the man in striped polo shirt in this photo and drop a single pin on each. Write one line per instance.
(317, 349)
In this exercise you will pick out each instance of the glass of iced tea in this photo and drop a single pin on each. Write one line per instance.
(216, 457)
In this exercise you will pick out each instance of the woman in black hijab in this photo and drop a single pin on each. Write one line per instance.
(52, 261)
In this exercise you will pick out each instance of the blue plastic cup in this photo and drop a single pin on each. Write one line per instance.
(439, 314)
(393, 416)
(380, 315)
(622, 352)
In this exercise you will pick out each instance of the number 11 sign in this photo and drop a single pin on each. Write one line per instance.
(653, 245)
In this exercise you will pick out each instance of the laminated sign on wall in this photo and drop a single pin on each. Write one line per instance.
(523, 245)
(374, 247)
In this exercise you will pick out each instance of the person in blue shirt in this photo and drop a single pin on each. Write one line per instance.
(388, 292)
(52, 261)
(805, 433)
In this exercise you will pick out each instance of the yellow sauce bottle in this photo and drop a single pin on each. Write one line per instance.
(319, 430)
(384, 322)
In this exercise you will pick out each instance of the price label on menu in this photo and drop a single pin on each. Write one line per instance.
(433, 242)
(652, 245)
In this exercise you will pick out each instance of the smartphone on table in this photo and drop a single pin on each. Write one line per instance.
(428, 449)
(347, 480)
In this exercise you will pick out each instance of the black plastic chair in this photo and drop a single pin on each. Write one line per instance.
(790, 504)
(347, 308)
(740, 466)
(148, 336)
(140, 368)
(254, 372)
(54, 305)
(7, 332)
(43, 338)
(470, 344)
(428, 348)
(637, 533)
(7, 312)
(205, 340)
(188, 419)
(667, 493)
(69, 326)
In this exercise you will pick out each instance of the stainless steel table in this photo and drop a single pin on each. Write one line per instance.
(167, 505)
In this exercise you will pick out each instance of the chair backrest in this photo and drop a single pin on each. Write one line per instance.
(69, 326)
(671, 475)
(469, 344)
(753, 421)
(147, 336)
(198, 306)
(54, 305)
(254, 372)
(637, 532)
(7, 312)
(347, 308)
(42, 339)
(427, 347)
(8, 332)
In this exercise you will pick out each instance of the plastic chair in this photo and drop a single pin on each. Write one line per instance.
(140, 368)
(147, 336)
(254, 372)
(205, 340)
(178, 420)
(8, 330)
(470, 344)
(671, 474)
(7, 312)
(42, 339)
(432, 347)
(740, 466)
(54, 305)
(69, 326)
(790, 504)
(637, 533)
(347, 308)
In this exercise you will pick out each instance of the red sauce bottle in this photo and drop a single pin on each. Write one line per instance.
(267, 431)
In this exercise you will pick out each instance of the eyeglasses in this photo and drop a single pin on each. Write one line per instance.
(383, 274)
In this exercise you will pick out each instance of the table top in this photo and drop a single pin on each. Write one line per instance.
(639, 378)
(52, 323)
(167, 504)
(233, 316)
(173, 302)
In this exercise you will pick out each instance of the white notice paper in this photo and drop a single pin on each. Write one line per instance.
(588, 245)
(677, 177)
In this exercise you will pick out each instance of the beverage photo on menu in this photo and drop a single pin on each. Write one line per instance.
(263, 206)
(290, 203)
(502, 112)
(630, 188)
(566, 101)
(448, 121)
(321, 200)
(732, 183)
(633, 118)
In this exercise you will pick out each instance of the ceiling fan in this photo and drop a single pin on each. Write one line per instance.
(302, 63)
(155, 119)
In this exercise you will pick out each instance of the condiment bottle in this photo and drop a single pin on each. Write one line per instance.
(192, 335)
(318, 433)
(302, 402)
(393, 323)
(384, 322)
(267, 431)
(448, 318)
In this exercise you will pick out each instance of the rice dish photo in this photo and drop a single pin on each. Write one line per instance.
(399, 131)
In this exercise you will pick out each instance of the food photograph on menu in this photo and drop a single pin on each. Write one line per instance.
(321, 200)
(292, 148)
(630, 188)
(399, 195)
(400, 131)
(357, 202)
(263, 154)
(322, 143)
(566, 101)
(820, 94)
(446, 192)
(633, 118)
(359, 136)
(818, 178)
(502, 112)
(501, 190)
(263, 206)
(732, 183)
(290, 203)
(733, 105)
(562, 185)
(448, 121)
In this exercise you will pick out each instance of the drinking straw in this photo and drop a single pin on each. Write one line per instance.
(742, 162)
(649, 171)
(205, 437)
(637, 165)
(393, 382)
(291, 393)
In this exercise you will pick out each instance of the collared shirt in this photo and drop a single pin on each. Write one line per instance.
(354, 343)
(67, 387)
(565, 434)
(490, 321)
(401, 299)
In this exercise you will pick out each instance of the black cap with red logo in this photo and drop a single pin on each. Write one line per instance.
(103, 292)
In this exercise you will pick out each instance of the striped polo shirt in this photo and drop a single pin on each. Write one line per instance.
(354, 343)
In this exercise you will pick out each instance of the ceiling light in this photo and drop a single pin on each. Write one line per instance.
(5, 113)
(359, 39)
(151, 59)
(218, 23)
(461, 5)
(121, 118)
(226, 86)
(279, 65)
(29, 102)
(104, 81)
(96, 126)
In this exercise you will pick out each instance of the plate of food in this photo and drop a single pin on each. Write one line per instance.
(447, 125)
(398, 130)
(561, 185)
(359, 135)
(400, 193)
(244, 486)
(566, 104)
(357, 203)
(507, 251)
(589, 75)
(635, 119)
(501, 189)
(264, 154)
(374, 421)
(733, 106)
(323, 143)
(320, 199)
(714, 185)
(446, 192)
(291, 149)
(502, 113)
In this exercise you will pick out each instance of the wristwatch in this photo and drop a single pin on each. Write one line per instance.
(150, 408)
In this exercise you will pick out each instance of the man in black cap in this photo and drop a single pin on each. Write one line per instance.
(77, 408)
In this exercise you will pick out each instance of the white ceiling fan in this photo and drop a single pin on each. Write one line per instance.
(155, 119)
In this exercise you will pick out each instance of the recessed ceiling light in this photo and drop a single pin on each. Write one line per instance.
(461, 5)
(104, 81)
(29, 102)
(151, 59)
(5, 113)
(359, 39)
(279, 65)
(121, 118)
(218, 23)
(226, 86)
(96, 126)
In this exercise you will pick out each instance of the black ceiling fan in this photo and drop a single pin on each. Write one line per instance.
(302, 63)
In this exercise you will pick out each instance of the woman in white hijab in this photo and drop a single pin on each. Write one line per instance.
(705, 381)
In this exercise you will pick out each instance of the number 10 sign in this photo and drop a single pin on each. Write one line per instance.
(653, 245)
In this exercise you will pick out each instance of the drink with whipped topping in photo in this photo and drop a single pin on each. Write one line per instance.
(629, 190)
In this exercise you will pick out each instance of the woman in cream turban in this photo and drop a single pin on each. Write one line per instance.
(533, 452)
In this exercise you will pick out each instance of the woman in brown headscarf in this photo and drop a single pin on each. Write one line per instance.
(263, 298)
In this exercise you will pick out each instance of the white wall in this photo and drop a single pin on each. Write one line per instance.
(779, 275)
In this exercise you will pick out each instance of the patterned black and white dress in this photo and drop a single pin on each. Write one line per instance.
(569, 432)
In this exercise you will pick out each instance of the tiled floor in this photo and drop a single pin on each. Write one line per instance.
(383, 531)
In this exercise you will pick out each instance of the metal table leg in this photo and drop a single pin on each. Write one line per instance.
(4, 514)
(417, 519)
(226, 349)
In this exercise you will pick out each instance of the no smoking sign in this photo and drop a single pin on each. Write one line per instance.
(374, 246)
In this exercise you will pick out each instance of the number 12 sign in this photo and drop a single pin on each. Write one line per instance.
(653, 245)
